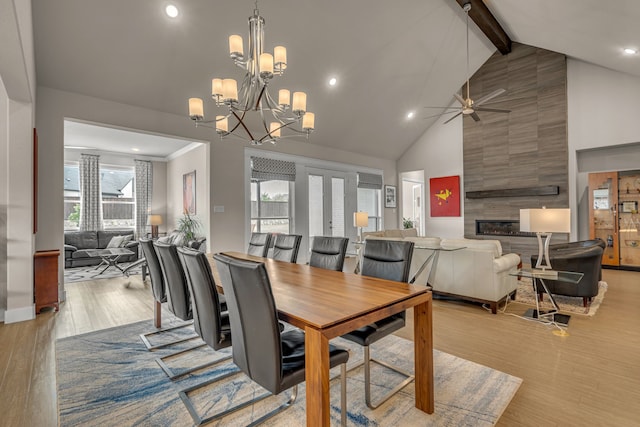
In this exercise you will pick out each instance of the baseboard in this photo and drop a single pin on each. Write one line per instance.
(20, 314)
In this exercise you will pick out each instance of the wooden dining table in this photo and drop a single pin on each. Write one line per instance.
(327, 304)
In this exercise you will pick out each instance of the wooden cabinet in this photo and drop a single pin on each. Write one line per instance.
(45, 277)
(613, 215)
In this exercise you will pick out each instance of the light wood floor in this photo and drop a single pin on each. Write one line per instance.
(591, 377)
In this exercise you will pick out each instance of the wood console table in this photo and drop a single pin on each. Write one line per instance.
(45, 279)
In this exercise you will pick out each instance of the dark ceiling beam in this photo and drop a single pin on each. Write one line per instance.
(485, 20)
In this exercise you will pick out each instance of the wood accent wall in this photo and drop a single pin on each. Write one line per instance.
(525, 148)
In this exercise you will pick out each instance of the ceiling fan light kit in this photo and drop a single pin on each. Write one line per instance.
(469, 107)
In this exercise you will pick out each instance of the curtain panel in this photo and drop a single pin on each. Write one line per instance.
(144, 190)
(90, 193)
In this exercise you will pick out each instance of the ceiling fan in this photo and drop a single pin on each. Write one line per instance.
(468, 106)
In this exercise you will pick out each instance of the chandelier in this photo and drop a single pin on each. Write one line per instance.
(260, 67)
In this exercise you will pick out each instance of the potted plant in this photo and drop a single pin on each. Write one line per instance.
(188, 226)
(407, 223)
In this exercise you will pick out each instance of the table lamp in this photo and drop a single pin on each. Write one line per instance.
(154, 221)
(545, 222)
(360, 219)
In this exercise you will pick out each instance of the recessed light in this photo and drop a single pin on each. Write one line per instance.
(135, 149)
(630, 51)
(410, 114)
(171, 11)
(333, 81)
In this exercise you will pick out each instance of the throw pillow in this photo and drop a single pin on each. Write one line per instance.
(115, 242)
(126, 239)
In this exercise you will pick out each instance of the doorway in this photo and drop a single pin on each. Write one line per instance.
(327, 213)
(412, 195)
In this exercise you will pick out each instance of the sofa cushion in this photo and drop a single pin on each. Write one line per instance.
(81, 239)
(104, 236)
(119, 241)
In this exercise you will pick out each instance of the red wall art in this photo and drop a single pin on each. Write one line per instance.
(444, 196)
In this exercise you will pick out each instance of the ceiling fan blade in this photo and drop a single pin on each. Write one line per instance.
(493, 110)
(452, 118)
(438, 115)
(475, 116)
(459, 98)
(444, 108)
(490, 96)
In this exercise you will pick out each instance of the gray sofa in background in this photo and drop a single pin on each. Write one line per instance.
(76, 243)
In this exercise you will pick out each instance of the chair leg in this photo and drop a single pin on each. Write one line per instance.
(197, 419)
(174, 375)
(367, 379)
(157, 314)
(151, 347)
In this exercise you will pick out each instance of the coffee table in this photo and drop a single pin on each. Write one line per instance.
(109, 257)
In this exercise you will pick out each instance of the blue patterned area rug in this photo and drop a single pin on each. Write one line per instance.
(108, 378)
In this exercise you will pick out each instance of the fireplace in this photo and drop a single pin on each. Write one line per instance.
(500, 227)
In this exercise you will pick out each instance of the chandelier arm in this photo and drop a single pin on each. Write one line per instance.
(241, 122)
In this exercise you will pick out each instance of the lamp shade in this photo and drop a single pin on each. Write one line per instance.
(545, 220)
(360, 219)
(155, 219)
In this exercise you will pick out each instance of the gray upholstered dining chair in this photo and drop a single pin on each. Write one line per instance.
(286, 247)
(259, 244)
(209, 321)
(391, 260)
(159, 291)
(178, 301)
(328, 252)
(273, 359)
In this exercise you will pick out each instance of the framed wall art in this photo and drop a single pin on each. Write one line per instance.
(390, 196)
(189, 193)
(444, 196)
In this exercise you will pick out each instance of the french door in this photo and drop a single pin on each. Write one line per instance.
(327, 203)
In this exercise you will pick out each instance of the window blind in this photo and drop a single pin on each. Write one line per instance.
(263, 169)
(369, 180)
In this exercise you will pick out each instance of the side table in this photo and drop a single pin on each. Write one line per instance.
(553, 315)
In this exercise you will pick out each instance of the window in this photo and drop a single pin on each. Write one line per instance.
(270, 206)
(369, 201)
(118, 198)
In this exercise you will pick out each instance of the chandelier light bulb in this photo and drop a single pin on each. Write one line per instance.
(266, 65)
(280, 57)
(222, 124)
(229, 90)
(284, 97)
(196, 109)
(299, 102)
(216, 87)
(308, 121)
(274, 129)
(235, 46)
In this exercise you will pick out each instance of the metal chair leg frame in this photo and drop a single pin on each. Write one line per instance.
(174, 375)
(367, 379)
(152, 347)
(198, 420)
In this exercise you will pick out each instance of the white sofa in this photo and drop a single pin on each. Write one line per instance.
(479, 273)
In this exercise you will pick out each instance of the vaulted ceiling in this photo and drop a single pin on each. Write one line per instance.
(389, 57)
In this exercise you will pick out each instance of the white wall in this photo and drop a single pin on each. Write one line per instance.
(193, 160)
(439, 153)
(17, 74)
(602, 112)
